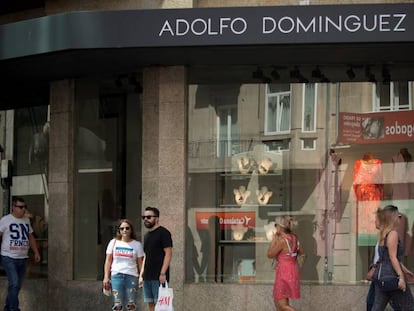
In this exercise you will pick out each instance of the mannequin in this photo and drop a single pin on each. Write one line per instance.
(369, 191)
(368, 178)
(241, 195)
(263, 195)
(238, 232)
(245, 165)
(264, 165)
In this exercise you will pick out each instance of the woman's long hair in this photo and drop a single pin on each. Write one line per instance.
(387, 216)
(132, 235)
(287, 223)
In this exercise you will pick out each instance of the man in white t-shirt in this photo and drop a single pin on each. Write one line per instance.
(17, 234)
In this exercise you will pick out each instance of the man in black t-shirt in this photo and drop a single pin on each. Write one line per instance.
(158, 253)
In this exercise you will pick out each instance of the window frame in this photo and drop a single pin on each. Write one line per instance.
(278, 112)
(229, 141)
(315, 107)
(393, 97)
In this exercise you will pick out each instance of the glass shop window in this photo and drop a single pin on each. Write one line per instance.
(108, 171)
(24, 150)
(361, 161)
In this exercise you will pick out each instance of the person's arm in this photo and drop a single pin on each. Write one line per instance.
(408, 273)
(107, 268)
(392, 244)
(33, 246)
(108, 263)
(165, 264)
(275, 247)
(300, 250)
(141, 272)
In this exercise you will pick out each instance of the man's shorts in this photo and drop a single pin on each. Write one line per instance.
(150, 290)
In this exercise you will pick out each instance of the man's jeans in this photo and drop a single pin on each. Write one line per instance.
(15, 270)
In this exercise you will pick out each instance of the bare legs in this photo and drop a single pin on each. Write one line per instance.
(283, 305)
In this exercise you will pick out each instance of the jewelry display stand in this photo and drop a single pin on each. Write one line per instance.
(253, 185)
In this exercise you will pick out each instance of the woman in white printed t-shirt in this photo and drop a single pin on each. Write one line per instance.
(124, 257)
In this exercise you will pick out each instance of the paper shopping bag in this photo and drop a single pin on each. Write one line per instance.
(165, 298)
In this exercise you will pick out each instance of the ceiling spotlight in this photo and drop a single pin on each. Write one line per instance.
(369, 75)
(275, 74)
(295, 73)
(317, 73)
(350, 73)
(324, 79)
(258, 73)
(266, 80)
(386, 76)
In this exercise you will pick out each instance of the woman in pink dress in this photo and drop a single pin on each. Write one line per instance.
(285, 248)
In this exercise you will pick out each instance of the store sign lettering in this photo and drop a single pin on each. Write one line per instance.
(321, 24)
(200, 26)
(226, 219)
(284, 25)
(377, 127)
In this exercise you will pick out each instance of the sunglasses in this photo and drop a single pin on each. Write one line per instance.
(20, 206)
(147, 217)
(124, 228)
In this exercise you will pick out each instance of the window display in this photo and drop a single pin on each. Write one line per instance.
(24, 151)
(332, 189)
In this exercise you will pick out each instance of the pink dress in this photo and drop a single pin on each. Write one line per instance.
(287, 282)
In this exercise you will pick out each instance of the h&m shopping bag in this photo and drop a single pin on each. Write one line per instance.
(165, 298)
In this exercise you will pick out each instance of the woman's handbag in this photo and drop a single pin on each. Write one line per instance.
(106, 289)
(387, 282)
(387, 278)
(165, 298)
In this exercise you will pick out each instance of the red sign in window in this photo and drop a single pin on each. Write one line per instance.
(226, 219)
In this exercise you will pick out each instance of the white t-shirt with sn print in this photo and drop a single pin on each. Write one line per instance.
(16, 233)
(124, 256)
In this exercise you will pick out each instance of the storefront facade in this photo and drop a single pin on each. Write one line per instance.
(224, 118)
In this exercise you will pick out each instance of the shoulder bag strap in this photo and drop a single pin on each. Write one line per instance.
(290, 249)
(113, 248)
(288, 245)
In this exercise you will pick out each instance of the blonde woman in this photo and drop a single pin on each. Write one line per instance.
(285, 248)
(391, 252)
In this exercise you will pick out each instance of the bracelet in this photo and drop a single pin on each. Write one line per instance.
(163, 274)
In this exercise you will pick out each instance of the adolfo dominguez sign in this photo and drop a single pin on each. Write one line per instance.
(287, 25)
(370, 23)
